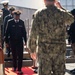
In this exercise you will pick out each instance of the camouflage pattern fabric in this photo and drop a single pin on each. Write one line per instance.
(49, 28)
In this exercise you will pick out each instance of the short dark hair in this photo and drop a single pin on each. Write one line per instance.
(73, 12)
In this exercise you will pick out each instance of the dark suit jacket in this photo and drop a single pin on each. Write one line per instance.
(16, 31)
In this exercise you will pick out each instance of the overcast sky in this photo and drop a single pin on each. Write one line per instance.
(36, 4)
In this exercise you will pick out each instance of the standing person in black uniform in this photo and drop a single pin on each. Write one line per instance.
(71, 33)
(8, 17)
(17, 32)
(5, 13)
(5, 9)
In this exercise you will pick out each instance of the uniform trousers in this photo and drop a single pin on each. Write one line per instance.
(53, 65)
(73, 47)
(17, 53)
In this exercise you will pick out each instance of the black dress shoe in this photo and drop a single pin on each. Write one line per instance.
(72, 71)
(36, 71)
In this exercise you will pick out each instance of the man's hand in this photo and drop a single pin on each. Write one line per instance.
(7, 45)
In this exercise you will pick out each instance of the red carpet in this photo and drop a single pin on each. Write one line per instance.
(25, 70)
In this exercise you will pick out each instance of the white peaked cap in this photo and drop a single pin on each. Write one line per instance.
(4, 1)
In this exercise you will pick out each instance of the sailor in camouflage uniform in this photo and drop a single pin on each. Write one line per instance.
(49, 28)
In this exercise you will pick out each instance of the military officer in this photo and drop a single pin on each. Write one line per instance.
(49, 28)
(8, 17)
(5, 13)
(5, 9)
(71, 33)
(17, 32)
